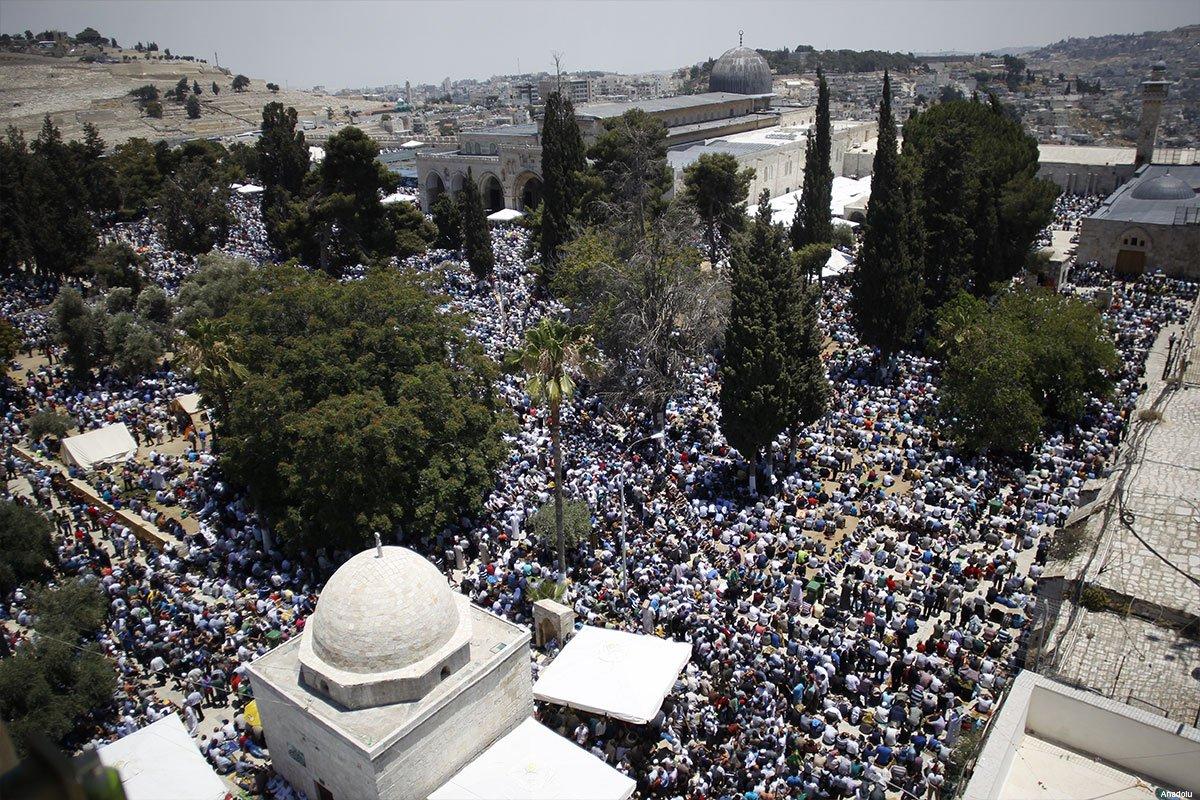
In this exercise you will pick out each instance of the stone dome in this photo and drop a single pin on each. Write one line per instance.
(741, 71)
(387, 628)
(1163, 187)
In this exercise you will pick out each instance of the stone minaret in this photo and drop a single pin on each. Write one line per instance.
(1154, 92)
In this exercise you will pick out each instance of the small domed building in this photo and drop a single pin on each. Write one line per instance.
(395, 684)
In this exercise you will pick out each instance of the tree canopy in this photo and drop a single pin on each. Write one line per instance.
(1031, 357)
(382, 410)
(717, 189)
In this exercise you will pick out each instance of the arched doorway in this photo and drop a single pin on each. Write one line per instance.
(492, 193)
(529, 191)
(434, 188)
(1131, 255)
(456, 183)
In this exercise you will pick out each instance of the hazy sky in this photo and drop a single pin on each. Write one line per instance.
(342, 43)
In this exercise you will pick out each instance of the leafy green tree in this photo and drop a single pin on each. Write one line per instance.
(477, 239)
(196, 89)
(215, 89)
(181, 89)
(26, 549)
(983, 203)
(283, 162)
(807, 386)
(192, 209)
(16, 238)
(48, 423)
(448, 221)
(55, 212)
(340, 220)
(10, 341)
(78, 329)
(577, 522)
(154, 306)
(629, 174)
(653, 310)
(384, 415)
(49, 686)
(813, 222)
(754, 385)
(240, 83)
(192, 106)
(138, 177)
(115, 264)
(887, 279)
(563, 164)
(811, 259)
(716, 189)
(99, 181)
(1030, 356)
(210, 357)
(154, 109)
(551, 352)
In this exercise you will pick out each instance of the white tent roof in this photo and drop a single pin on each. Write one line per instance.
(189, 403)
(622, 675)
(783, 208)
(838, 263)
(413, 143)
(505, 215)
(161, 761)
(316, 153)
(534, 763)
(249, 188)
(398, 197)
(112, 443)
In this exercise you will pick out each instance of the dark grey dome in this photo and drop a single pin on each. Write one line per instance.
(1163, 187)
(741, 71)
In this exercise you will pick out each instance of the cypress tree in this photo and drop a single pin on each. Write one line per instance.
(807, 385)
(449, 226)
(887, 279)
(753, 394)
(812, 223)
(476, 238)
(562, 163)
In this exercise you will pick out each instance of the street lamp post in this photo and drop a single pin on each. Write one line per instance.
(624, 525)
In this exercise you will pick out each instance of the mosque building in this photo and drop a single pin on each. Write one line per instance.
(738, 115)
(396, 683)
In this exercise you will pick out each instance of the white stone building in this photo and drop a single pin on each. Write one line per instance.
(396, 683)
(738, 115)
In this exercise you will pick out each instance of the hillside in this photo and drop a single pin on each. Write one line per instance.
(1178, 46)
(73, 91)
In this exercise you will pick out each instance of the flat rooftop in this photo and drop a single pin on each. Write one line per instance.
(676, 103)
(1124, 206)
(1055, 772)
(1083, 154)
(370, 728)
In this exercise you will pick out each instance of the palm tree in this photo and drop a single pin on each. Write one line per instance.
(551, 352)
(211, 360)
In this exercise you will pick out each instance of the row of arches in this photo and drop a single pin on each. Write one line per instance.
(528, 189)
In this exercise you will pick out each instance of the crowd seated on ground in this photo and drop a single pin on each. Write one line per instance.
(848, 624)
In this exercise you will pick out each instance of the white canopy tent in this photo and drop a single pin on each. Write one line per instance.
(189, 403)
(249, 188)
(534, 763)
(505, 215)
(845, 190)
(106, 445)
(412, 144)
(162, 761)
(621, 675)
(838, 263)
(398, 197)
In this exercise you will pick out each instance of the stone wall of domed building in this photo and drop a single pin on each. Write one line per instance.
(1173, 249)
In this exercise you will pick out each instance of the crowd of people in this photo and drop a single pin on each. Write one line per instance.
(850, 624)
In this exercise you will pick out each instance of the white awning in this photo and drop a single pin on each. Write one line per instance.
(161, 760)
(249, 188)
(188, 403)
(534, 763)
(397, 197)
(838, 263)
(106, 445)
(505, 215)
(412, 144)
(622, 675)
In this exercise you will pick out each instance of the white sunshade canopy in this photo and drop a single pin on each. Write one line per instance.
(413, 144)
(534, 763)
(838, 263)
(398, 197)
(249, 188)
(505, 215)
(106, 445)
(621, 675)
(189, 403)
(844, 190)
(161, 760)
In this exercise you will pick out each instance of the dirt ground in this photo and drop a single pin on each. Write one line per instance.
(72, 93)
